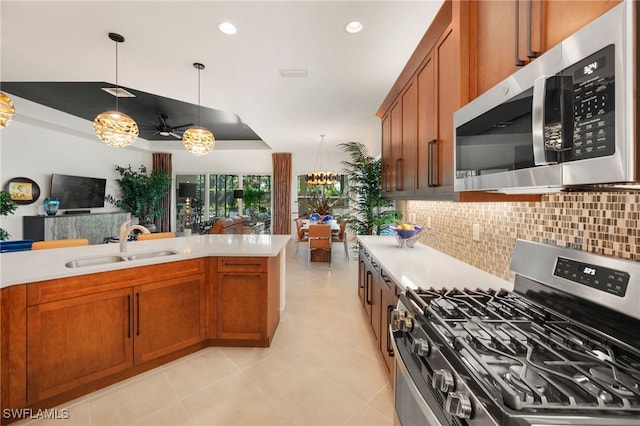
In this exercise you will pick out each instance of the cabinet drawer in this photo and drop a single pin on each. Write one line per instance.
(242, 264)
(82, 285)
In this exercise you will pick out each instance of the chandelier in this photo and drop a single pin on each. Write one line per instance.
(321, 177)
(198, 140)
(114, 127)
(7, 110)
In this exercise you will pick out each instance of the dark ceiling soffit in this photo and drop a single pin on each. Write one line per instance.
(87, 99)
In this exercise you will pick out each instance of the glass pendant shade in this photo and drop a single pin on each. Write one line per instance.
(198, 140)
(115, 128)
(7, 110)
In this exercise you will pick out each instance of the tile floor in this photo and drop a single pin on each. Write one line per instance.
(322, 368)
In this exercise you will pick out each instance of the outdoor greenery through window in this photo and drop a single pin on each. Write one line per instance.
(322, 199)
(220, 202)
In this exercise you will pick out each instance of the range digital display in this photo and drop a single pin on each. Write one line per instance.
(604, 279)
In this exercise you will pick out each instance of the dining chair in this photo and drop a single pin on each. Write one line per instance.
(51, 244)
(155, 236)
(320, 239)
(341, 237)
(301, 236)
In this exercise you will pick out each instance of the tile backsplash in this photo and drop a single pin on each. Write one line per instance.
(603, 223)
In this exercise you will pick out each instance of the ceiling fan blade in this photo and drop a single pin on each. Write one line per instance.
(175, 135)
(182, 125)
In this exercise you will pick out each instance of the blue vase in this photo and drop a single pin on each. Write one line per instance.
(51, 206)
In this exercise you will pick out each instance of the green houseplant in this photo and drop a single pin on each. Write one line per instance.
(141, 192)
(370, 212)
(7, 205)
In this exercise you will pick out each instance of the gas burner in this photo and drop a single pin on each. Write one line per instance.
(527, 381)
(619, 382)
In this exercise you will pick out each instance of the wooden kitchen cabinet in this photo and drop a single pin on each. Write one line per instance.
(72, 342)
(388, 303)
(504, 36)
(247, 294)
(168, 316)
(90, 327)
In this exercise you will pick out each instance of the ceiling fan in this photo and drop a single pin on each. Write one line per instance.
(163, 129)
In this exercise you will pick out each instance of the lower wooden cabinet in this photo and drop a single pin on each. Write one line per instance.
(168, 316)
(247, 300)
(378, 295)
(75, 341)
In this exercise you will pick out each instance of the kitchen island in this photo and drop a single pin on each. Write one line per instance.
(80, 318)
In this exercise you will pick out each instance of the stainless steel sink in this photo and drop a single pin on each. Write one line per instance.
(149, 254)
(92, 261)
(125, 257)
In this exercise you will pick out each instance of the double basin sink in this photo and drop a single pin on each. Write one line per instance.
(116, 258)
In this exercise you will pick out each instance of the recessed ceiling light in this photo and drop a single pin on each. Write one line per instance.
(227, 28)
(353, 27)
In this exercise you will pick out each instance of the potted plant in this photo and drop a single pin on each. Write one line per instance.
(141, 193)
(320, 200)
(370, 212)
(7, 205)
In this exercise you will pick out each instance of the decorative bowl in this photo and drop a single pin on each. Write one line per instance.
(408, 237)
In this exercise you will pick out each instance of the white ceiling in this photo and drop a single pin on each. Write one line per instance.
(348, 74)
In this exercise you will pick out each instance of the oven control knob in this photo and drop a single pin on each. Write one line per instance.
(420, 347)
(406, 324)
(459, 405)
(443, 380)
(397, 315)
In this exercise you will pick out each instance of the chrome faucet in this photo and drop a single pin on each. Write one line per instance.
(124, 234)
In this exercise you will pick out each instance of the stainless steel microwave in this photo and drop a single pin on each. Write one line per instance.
(567, 119)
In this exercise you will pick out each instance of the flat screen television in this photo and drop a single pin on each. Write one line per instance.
(78, 192)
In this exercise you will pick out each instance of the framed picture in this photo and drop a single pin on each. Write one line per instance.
(23, 190)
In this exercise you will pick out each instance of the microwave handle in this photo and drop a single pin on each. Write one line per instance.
(537, 121)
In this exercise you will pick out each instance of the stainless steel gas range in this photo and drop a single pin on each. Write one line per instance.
(562, 349)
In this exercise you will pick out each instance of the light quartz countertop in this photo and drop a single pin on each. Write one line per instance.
(31, 266)
(423, 266)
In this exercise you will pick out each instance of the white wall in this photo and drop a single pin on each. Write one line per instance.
(41, 141)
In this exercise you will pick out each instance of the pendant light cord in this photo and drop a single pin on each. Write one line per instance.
(198, 96)
(117, 76)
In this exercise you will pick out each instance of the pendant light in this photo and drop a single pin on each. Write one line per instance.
(114, 127)
(7, 110)
(319, 177)
(198, 140)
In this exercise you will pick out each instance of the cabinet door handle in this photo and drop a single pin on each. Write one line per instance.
(399, 175)
(241, 264)
(366, 288)
(519, 62)
(432, 151)
(128, 316)
(242, 275)
(530, 52)
(138, 314)
(389, 337)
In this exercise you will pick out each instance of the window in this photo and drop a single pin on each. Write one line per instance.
(256, 198)
(221, 201)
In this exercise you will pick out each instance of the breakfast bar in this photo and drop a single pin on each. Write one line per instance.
(117, 314)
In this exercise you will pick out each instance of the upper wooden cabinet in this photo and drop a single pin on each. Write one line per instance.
(469, 47)
(504, 36)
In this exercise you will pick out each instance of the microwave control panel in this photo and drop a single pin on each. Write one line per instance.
(593, 105)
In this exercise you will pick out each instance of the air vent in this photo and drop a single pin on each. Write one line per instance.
(118, 92)
(294, 73)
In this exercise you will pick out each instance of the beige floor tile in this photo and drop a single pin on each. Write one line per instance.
(196, 373)
(368, 417)
(126, 404)
(74, 413)
(268, 416)
(360, 374)
(171, 415)
(246, 357)
(227, 402)
(382, 402)
(320, 401)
